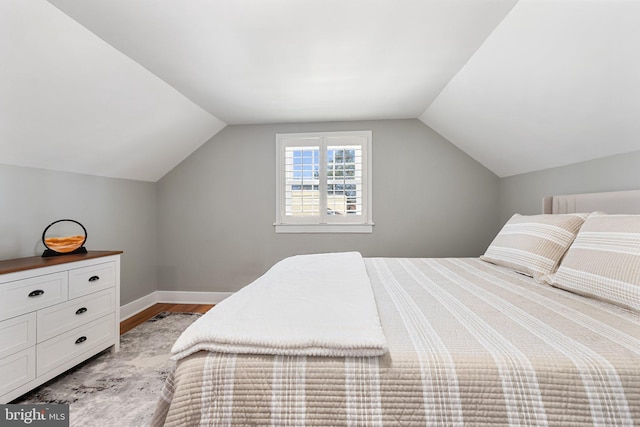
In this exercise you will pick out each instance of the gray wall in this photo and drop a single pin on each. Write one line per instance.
(118, 214)
(208, 224)
(216, 209)
(523, 193)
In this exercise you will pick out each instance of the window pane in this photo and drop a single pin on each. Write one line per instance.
(302, 196)
(344, 180)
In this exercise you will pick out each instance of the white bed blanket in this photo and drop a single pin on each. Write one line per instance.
(313, 305)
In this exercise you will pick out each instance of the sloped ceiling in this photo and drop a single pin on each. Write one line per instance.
(129, 89)
(275, 61)
(71, 102)
(557, 82)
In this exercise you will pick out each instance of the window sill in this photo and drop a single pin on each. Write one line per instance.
(324, 228)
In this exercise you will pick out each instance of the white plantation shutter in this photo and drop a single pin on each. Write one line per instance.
(323, 179)
(302, 168)
(344, 180)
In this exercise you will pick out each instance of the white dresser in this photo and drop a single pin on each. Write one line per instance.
(54, 313)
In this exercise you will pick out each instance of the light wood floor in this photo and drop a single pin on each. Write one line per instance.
(144, 315)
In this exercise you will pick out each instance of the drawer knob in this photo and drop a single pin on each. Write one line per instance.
(94, 278)
(81, 310)
(36, 293)
(81, 340)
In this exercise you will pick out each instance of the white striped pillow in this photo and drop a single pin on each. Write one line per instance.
(534, 244)
(604, 261)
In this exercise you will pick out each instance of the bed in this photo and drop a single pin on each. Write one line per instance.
(511, 338)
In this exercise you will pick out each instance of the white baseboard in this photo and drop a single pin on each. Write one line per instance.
(176, 297)
(179, 297)
(135, 307)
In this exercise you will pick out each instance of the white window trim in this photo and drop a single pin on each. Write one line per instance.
(364, 226)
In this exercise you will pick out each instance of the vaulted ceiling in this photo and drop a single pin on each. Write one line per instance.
(129, 89)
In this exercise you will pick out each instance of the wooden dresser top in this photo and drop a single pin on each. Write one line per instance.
(30, 263)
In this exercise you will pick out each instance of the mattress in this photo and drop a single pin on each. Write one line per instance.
(470, 343)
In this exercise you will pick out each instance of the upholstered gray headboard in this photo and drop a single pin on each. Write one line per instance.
(615, 202)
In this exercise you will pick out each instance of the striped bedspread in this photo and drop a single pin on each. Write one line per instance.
(470, 343)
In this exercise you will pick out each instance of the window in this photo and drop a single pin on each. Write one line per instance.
(324, 182)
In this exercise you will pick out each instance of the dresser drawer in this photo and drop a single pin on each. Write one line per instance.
(27, 295)
(17, 333)
(17, 369)
(61, 318)
(86, 280)
(62, 348)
